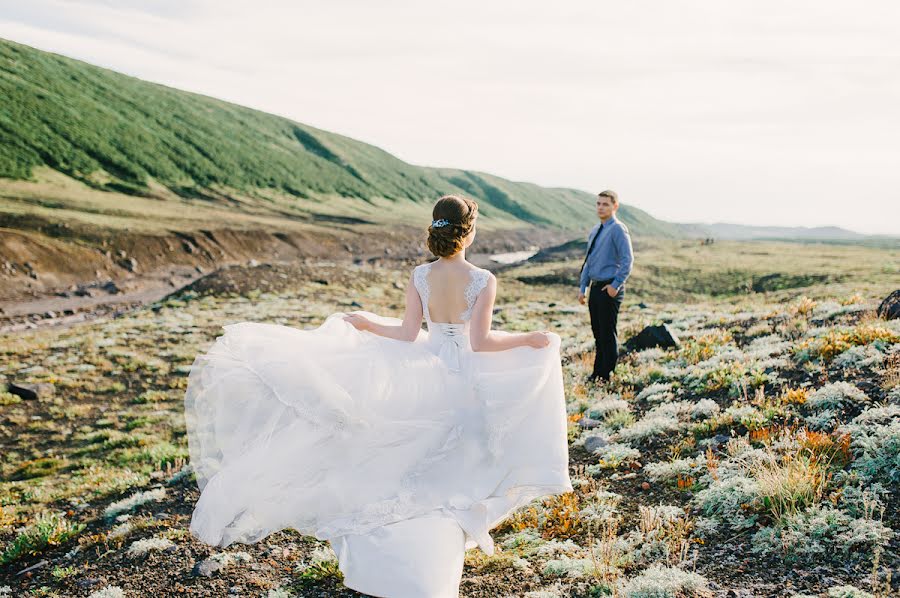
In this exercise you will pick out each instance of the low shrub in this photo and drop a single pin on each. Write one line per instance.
(666, 582)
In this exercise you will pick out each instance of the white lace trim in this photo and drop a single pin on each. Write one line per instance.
(478, 280)
(420, 280)
(473, 289)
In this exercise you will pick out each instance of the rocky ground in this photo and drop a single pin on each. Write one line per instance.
(759, 457)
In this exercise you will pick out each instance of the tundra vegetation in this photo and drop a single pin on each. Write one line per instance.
(761, 455)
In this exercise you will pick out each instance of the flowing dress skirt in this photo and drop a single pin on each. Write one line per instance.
(373, 444)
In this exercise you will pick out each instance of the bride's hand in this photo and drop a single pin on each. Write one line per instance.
(538, 340)
(357, 321)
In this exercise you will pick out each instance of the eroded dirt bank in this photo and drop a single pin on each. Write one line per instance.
(52, 273)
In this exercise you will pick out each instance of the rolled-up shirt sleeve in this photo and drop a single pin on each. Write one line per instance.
(624, 258)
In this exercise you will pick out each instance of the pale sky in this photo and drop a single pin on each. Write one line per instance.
(753, 112)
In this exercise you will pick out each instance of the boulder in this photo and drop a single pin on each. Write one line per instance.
(31, 392)
(890, 307)
(111, 287)
(653, 336)
(594, 443)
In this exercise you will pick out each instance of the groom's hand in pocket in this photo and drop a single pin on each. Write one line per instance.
(610, 290)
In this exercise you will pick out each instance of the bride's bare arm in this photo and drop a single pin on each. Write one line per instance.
(412, 319)
(483, 338)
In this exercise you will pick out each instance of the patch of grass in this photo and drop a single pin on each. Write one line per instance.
(49, 529)
(790, 483)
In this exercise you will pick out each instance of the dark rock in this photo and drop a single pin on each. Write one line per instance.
(129, 264)
(88, 582)
(592, 443)
(321, 281)
(31, 392)
(355, 304)
(890, 307)
(653, 336)
(642, 305)
(588, 423)
(111, 287)
(718, 441)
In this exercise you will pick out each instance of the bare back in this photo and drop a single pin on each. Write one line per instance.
(448, 291)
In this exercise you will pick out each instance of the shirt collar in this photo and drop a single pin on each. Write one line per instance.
(612, 220)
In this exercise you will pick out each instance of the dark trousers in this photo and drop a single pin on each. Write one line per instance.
(604, 312)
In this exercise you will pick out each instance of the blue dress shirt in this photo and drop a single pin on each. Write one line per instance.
(611, 256)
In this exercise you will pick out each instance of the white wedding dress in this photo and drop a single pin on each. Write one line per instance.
(401, 454)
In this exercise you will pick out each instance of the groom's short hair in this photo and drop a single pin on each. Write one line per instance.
(611, 195)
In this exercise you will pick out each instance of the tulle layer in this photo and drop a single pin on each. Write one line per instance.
(334, 431)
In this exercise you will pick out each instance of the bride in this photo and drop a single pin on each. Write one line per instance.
(402, 448)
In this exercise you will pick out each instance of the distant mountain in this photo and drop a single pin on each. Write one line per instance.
(124, 136)
(723, 230)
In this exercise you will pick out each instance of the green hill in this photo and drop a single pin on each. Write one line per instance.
(128, 138)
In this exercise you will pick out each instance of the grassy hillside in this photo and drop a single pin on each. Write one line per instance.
(122, 135)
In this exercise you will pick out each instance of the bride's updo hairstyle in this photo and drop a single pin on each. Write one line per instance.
(459, 213)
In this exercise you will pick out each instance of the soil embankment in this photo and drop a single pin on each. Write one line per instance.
(55, 273)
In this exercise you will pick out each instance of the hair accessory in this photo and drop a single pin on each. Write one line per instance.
(439, 223)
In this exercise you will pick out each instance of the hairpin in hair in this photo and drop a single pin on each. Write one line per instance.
(439, 223)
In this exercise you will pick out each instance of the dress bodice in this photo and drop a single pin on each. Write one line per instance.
(449, 339)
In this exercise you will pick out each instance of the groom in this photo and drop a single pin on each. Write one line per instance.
(605, 269)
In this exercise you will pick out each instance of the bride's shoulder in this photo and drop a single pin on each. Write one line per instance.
(482, 275)
(419, 272)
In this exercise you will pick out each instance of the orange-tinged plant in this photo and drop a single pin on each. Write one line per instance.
(523, 519)
(685, 482)
(761, 435)
(563, 519)
(794, 396)
(829, 449)
(703, 347)
(834, 342)
(712, 463)
(854, 298)
(804, 306)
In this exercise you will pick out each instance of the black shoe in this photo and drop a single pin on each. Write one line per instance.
(593, 378)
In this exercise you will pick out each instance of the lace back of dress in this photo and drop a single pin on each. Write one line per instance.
(451, 296)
